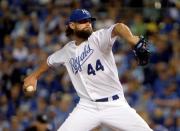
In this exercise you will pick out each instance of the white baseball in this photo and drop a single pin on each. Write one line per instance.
(30, 88)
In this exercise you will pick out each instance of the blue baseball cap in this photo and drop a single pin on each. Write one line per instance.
(78, 15)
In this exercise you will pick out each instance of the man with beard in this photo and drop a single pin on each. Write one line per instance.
(91, 66)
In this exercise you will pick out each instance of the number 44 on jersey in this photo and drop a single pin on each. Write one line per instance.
(91, 70)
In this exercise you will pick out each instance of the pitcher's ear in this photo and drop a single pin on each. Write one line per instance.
(72, 25)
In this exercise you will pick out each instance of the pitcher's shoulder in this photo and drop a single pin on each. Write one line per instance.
(98, 31)
(101, 31)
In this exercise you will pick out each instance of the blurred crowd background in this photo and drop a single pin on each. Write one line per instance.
(30, 30)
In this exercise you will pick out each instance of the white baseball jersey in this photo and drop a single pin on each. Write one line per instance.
(91, 65)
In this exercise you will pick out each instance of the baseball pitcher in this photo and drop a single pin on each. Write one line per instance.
(91, 66)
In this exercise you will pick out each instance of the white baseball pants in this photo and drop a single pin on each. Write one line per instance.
(116, 114)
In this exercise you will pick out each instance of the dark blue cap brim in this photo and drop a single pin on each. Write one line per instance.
(93, 19)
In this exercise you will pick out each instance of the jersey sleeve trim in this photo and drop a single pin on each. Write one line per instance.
(48, 63)
(112, 39)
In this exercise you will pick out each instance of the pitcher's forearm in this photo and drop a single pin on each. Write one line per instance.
(42, 69)
(124, 32)
(31, 80)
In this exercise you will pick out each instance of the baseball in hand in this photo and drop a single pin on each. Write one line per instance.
(29, 88)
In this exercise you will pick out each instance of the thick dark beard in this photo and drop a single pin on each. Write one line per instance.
(83, 34)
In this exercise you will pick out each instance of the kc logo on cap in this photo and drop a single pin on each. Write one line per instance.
(85, 11)
(80, 14)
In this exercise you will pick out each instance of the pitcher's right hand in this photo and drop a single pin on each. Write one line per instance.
(30, 80)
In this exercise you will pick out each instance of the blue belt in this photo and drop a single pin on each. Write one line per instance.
(114, 97)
